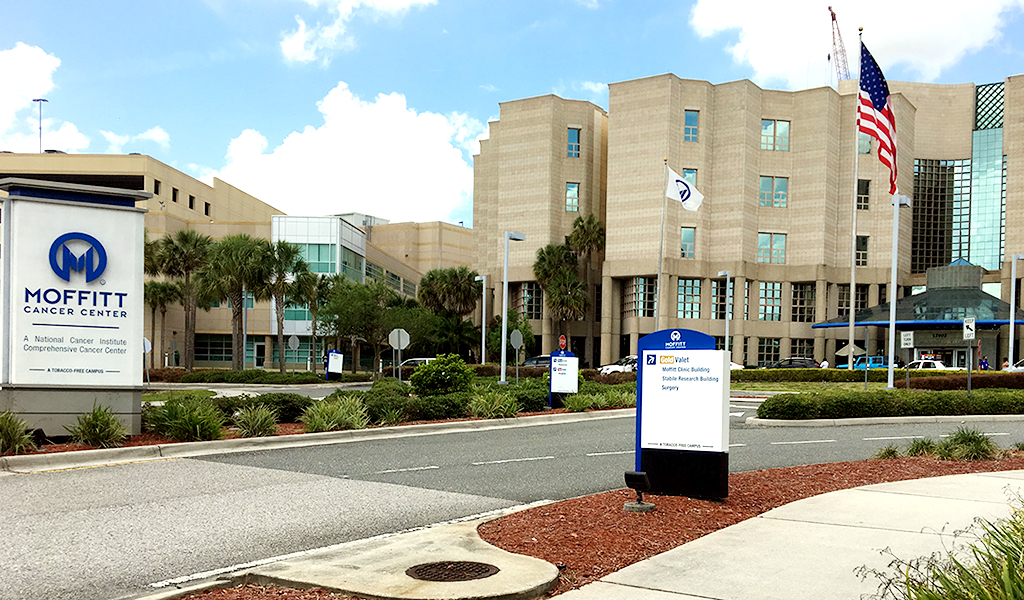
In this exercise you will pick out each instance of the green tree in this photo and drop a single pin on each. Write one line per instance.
(516, 320)
(365, 312)
(159, 295)
(181, 255)
(586, 240)
(552, 259)
(237, 264)
(566, 297)
(312, 291)
(452, 291)
(284, 263)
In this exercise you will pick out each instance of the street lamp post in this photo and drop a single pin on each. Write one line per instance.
(728, 312)
(483, 318)
(1013, 302)
(40, 101)
(509, 235)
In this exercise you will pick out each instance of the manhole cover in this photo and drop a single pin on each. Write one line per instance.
(457, 570)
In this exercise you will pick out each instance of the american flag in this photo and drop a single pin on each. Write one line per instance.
(874, 112)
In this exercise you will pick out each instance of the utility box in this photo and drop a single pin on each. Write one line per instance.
(72, 303)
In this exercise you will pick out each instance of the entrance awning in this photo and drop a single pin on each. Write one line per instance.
(936, 309)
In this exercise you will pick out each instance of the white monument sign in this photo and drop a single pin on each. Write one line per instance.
(685, 400)
(564, 374)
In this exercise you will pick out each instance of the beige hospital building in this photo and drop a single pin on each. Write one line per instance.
(777, 171)
(359, 246)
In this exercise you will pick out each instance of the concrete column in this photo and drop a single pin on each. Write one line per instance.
(607, 333)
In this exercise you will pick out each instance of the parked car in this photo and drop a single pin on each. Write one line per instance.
(935, 365)
(871, 362)
(1018, 367)
(794, 363)
(415, 362)
(544, 360)
(623, 365)
(735, 366)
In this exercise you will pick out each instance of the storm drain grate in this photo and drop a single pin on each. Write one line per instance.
(458, 570)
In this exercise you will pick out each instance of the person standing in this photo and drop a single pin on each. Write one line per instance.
(983, 365)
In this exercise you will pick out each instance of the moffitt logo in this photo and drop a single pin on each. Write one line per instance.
(92, 262)
(676, 342)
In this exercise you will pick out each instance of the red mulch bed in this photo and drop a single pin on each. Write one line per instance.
(592, 536)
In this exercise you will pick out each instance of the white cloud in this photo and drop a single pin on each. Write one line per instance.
(308, 43)
(28, 73)
(489, 88)
(379, 157)
(591, 4)
(118, 142)
(790, 42)
(594, 87)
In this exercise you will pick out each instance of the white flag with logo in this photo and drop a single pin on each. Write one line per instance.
(683, 191)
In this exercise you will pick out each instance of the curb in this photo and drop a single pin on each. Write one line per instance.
(756, 422)
(32, 463)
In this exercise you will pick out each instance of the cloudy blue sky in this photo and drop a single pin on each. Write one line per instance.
(329, 106)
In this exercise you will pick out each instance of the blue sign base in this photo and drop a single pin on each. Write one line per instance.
(687, 473)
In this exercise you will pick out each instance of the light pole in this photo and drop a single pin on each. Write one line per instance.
(483, 318)
(728, 312)
(40, 101)
(509, 235)
(1013, 302)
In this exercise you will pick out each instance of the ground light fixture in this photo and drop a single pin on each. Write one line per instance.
(638, 480)
(518, 237)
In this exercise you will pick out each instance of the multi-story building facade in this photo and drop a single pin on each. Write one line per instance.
(794, 200)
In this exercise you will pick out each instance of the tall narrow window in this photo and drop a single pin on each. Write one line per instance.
(720, 302)
(774, 191)
(573, 150)
(688, 302)
(804, 297)
(775, 135)
(531, 300)
(174, 194)
(770, 301)
(863, 143)
(863, 194)
(690, 176)
(687, 243)
(156, 187)
(691, 119)
(768, 351)
(572, 197)
(639, 297)
(862, 251)
(771, 248)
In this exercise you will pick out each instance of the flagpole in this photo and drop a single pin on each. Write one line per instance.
(853, 225)
(661, 249)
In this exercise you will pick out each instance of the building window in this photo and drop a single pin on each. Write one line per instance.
(174, 196)
(156, 187)
(719, 301)
(862, 251)
(351, 264)
(770, 301)
(319, 257)
(639, 297)
(293, 312)
(191, 200)
(690, 126)
(572, 197)
(374, 271)
(771, 248)
(530, 300)
(394, 281)
(863, 194)
(803, 347)
(768, 351)
(688, 305)
(690, 176)
(720, 343)
(686, 242)
(861, 298)
(574, 143)
(775, 135)
(804, 297)
(863, 143)
(774, 191)
(746, 300)
(843, 304)
(206, 208)
(213, 347)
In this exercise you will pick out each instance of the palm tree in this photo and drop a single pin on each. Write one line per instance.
(566, 298)
(237, 264)
(555, 270)
(452, 291)
(587, 238)
(159, 294)
(284, 264)
(552, 259)
(180, 255)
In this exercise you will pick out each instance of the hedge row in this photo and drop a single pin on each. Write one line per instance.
(891, 403)
(251, 376)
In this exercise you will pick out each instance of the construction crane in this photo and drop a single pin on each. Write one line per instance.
(838, 49)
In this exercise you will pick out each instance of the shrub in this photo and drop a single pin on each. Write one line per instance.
(250, 376)
(15, 437)
(922, 447)
(967, 444)
(618, 398)
(443, 406)
(890, 451)
(189, 419)
(493, 404)
(342, 412)
(99, 428)
(258, 420)
(446, 374)
(840, 404)
(386, 402)
(530, 398)
(580, 402)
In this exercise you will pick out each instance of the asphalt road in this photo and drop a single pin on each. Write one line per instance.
(110, 532)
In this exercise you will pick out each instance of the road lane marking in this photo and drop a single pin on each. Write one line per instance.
(408, 470)
(894, 437)
(737, 445)
(610, 453)
(511, 460)
(739, 414)
(803, 442)
(946, 435)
